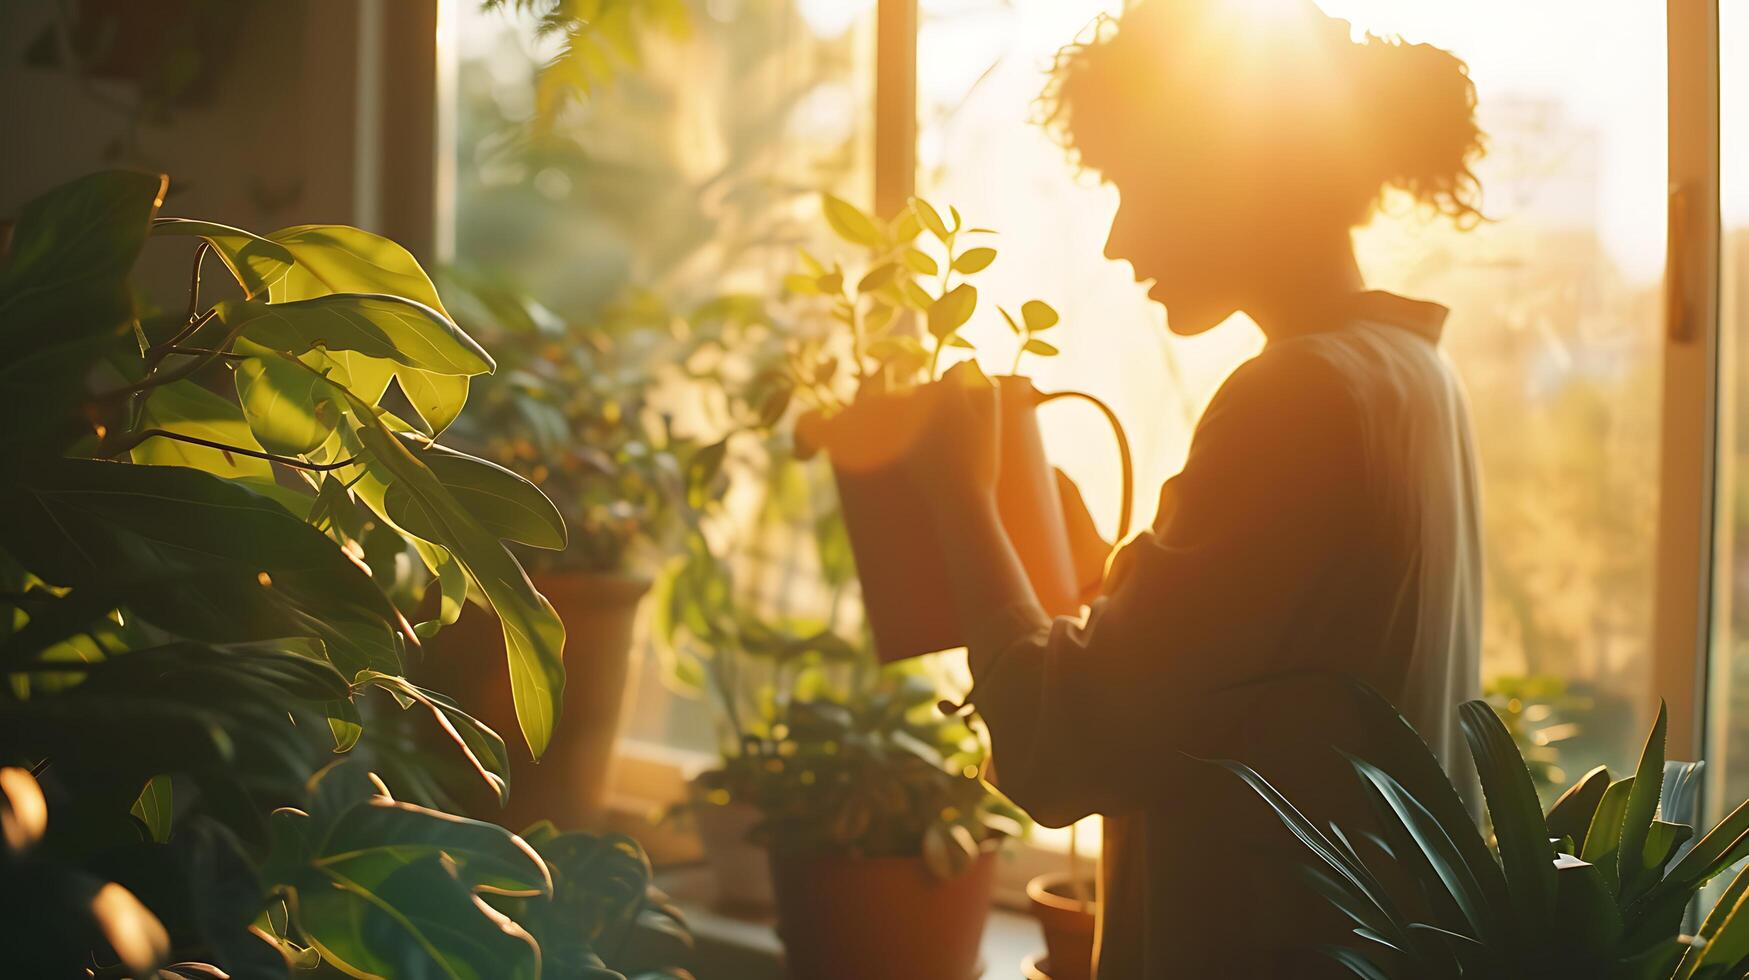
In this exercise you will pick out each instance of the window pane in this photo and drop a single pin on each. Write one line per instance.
(692, 175)
(1556, 328)
(1555, 324)
(1729, 746)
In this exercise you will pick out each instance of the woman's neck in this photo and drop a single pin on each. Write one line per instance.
(1311, 289)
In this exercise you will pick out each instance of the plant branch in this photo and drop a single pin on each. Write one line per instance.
(194, 280)
(135, 438)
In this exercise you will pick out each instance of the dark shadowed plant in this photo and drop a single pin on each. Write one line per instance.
(872, 772)
(213, 527)
(1597, 886)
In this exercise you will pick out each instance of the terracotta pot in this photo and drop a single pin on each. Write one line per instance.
(741, 868)
(1068, 926)
(569, 785)
(844, 918)
(898, 557)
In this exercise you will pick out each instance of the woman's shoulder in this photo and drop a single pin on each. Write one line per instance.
(1308, 372)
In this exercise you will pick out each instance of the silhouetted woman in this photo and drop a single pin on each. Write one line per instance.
(1326, 518)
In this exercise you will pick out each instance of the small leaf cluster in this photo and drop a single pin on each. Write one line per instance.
(587, 412)
(600, 38)
(917, 267)
(214, 527)
(874, 772)
(1596, 886)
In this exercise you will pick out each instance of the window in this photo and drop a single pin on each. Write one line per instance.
(1595, 419)
(695, 174)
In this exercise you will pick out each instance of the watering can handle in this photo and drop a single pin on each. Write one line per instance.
(1123, 450)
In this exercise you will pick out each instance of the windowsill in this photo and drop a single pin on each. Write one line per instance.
(736, 946)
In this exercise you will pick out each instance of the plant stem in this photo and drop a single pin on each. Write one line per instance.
(194, 280)
(135, 438)
(156, 379)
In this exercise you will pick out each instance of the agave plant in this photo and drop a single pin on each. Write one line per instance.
(1596, 887)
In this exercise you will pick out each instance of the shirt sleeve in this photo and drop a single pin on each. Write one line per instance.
(1266, 507)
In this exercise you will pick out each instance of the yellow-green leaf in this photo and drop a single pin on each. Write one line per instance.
(255, 262)
(851, 223)
(974, 260)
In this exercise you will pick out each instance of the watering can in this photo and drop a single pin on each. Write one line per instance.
(905, 588)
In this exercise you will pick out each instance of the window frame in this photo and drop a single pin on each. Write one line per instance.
(1688, 529)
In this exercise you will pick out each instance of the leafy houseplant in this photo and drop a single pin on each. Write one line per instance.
(882, 836)
(870, 384)
(579, 411)
(204, 644)
(1597, 886)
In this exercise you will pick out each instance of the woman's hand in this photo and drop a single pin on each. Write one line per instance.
(955, 459)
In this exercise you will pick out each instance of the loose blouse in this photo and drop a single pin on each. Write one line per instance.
(1326, 520)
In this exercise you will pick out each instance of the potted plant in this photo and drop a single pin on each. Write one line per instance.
(867, 380)
(882, 837)
(1598, 885)
(747, 664)
(588, 414)
(1063, 902)
(209, 524)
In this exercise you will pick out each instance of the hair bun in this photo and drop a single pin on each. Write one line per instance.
(1422, 126)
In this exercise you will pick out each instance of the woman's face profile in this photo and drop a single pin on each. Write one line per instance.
(1180, 227)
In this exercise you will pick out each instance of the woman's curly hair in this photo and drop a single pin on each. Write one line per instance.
(1339, 117)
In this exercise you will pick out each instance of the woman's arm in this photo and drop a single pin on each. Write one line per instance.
(1265, 505)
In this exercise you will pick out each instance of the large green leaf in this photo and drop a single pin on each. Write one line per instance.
(490, 857)
(217, 712)
(479, 744)
(1520, 831)
(342, 259)
(188, 409)
(289, 410)
(534, 637)
(198, 555)
(438, 398)
(1587, 922)
(1570, 815)
(255, 262)
(1728, 918)
(65, 275)
(380, 916)
(1632, 858)
(1603, 839)
(1434, 849)
(503, 502)
(1718, 849)
(64, 300)
(387, 328)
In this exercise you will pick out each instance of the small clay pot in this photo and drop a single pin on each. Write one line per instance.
(847, 918)
(1068, 926)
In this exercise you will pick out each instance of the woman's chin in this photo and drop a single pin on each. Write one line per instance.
(1188, 319)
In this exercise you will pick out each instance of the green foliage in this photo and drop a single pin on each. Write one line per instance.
(877, 772)
(600, 37)
(860, 333)
(191, 639)
(1543, 716)
(588, 413)
(1595, 887)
